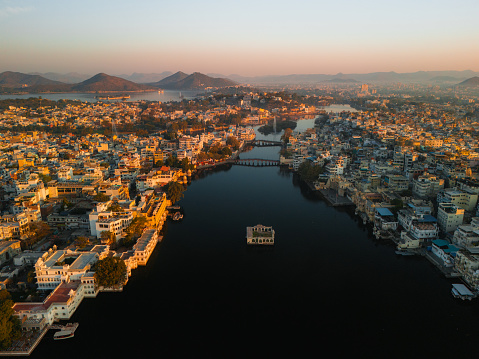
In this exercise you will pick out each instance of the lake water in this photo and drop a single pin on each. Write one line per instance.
(166, 96)
(327, 288)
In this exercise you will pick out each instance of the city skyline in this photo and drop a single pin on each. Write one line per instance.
(251, 39)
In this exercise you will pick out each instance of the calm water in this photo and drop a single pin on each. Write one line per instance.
(166, 96)
(326, 287)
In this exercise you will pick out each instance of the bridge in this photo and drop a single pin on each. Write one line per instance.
(255, 162)
(265, 143)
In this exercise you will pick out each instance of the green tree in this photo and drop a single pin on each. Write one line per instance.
(82, 242)
(309, 172)
(115, 207)
(107, 237)
(10, 327)
(174, 191)
(186, 165)
(136, 227)
(110, 272)
(233, 142)
(101, 197)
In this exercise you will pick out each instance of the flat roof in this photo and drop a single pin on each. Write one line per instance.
(83, 260)
(384, 212)
(462, 289)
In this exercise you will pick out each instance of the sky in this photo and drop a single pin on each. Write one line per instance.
(249, 38)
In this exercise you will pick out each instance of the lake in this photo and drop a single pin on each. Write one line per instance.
(326, 288)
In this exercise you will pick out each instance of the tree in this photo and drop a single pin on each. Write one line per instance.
(186, 165)
(174, 191)
(101, 197)
(10, 327)
(136, 227)
(38, 230)
(82, 242)
(107, 237)
(286, 135)
(233, 142)
(115, 207)
(110, 272)
(309, 172)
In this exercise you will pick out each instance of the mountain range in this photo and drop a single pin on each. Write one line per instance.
(50, 82)
(426, 77)
(34, 83)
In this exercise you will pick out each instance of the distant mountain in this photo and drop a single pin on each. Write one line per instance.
(11, 79)
(69, 78)
(16, 81)
(104, 83)
(170, 81)
(373, 77)
(195, 81)
(472, 82)
(144, 78)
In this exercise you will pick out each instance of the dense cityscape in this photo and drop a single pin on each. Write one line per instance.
(87, 187)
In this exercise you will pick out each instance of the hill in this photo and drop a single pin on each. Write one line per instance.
(195, 81)
(472, 82)
(105, 83)
(11, 79)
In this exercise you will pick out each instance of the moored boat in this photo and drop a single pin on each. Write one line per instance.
(65, 332)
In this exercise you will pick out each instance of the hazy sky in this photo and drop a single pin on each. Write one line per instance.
(243, 37)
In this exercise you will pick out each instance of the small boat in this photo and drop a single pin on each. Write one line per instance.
(66, 331)
(177, 216)
(405, 253)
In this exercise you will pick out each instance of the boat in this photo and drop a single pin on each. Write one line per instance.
(405, 253)
(177, 216)
(161, 91)
(462, 292)
(65, 332)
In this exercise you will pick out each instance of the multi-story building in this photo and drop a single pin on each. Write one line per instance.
(461, 198)
(467, 264)
(114, 222)
(396, 182)
(14, 226)
(145, 245)
(449, 216)
(62, 266)
(427, 186)
(467, 235)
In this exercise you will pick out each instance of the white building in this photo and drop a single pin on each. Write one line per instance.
(449, 217)
(114, 222)
(59, 266)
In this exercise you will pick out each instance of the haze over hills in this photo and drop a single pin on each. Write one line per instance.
(16, 81)
(33, 83)
(144, 78)
(472, 82)
(195, 81)
(69, 78)
(374, 77)
(12, 79)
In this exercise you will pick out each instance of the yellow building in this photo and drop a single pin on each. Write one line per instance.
(155, 211)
